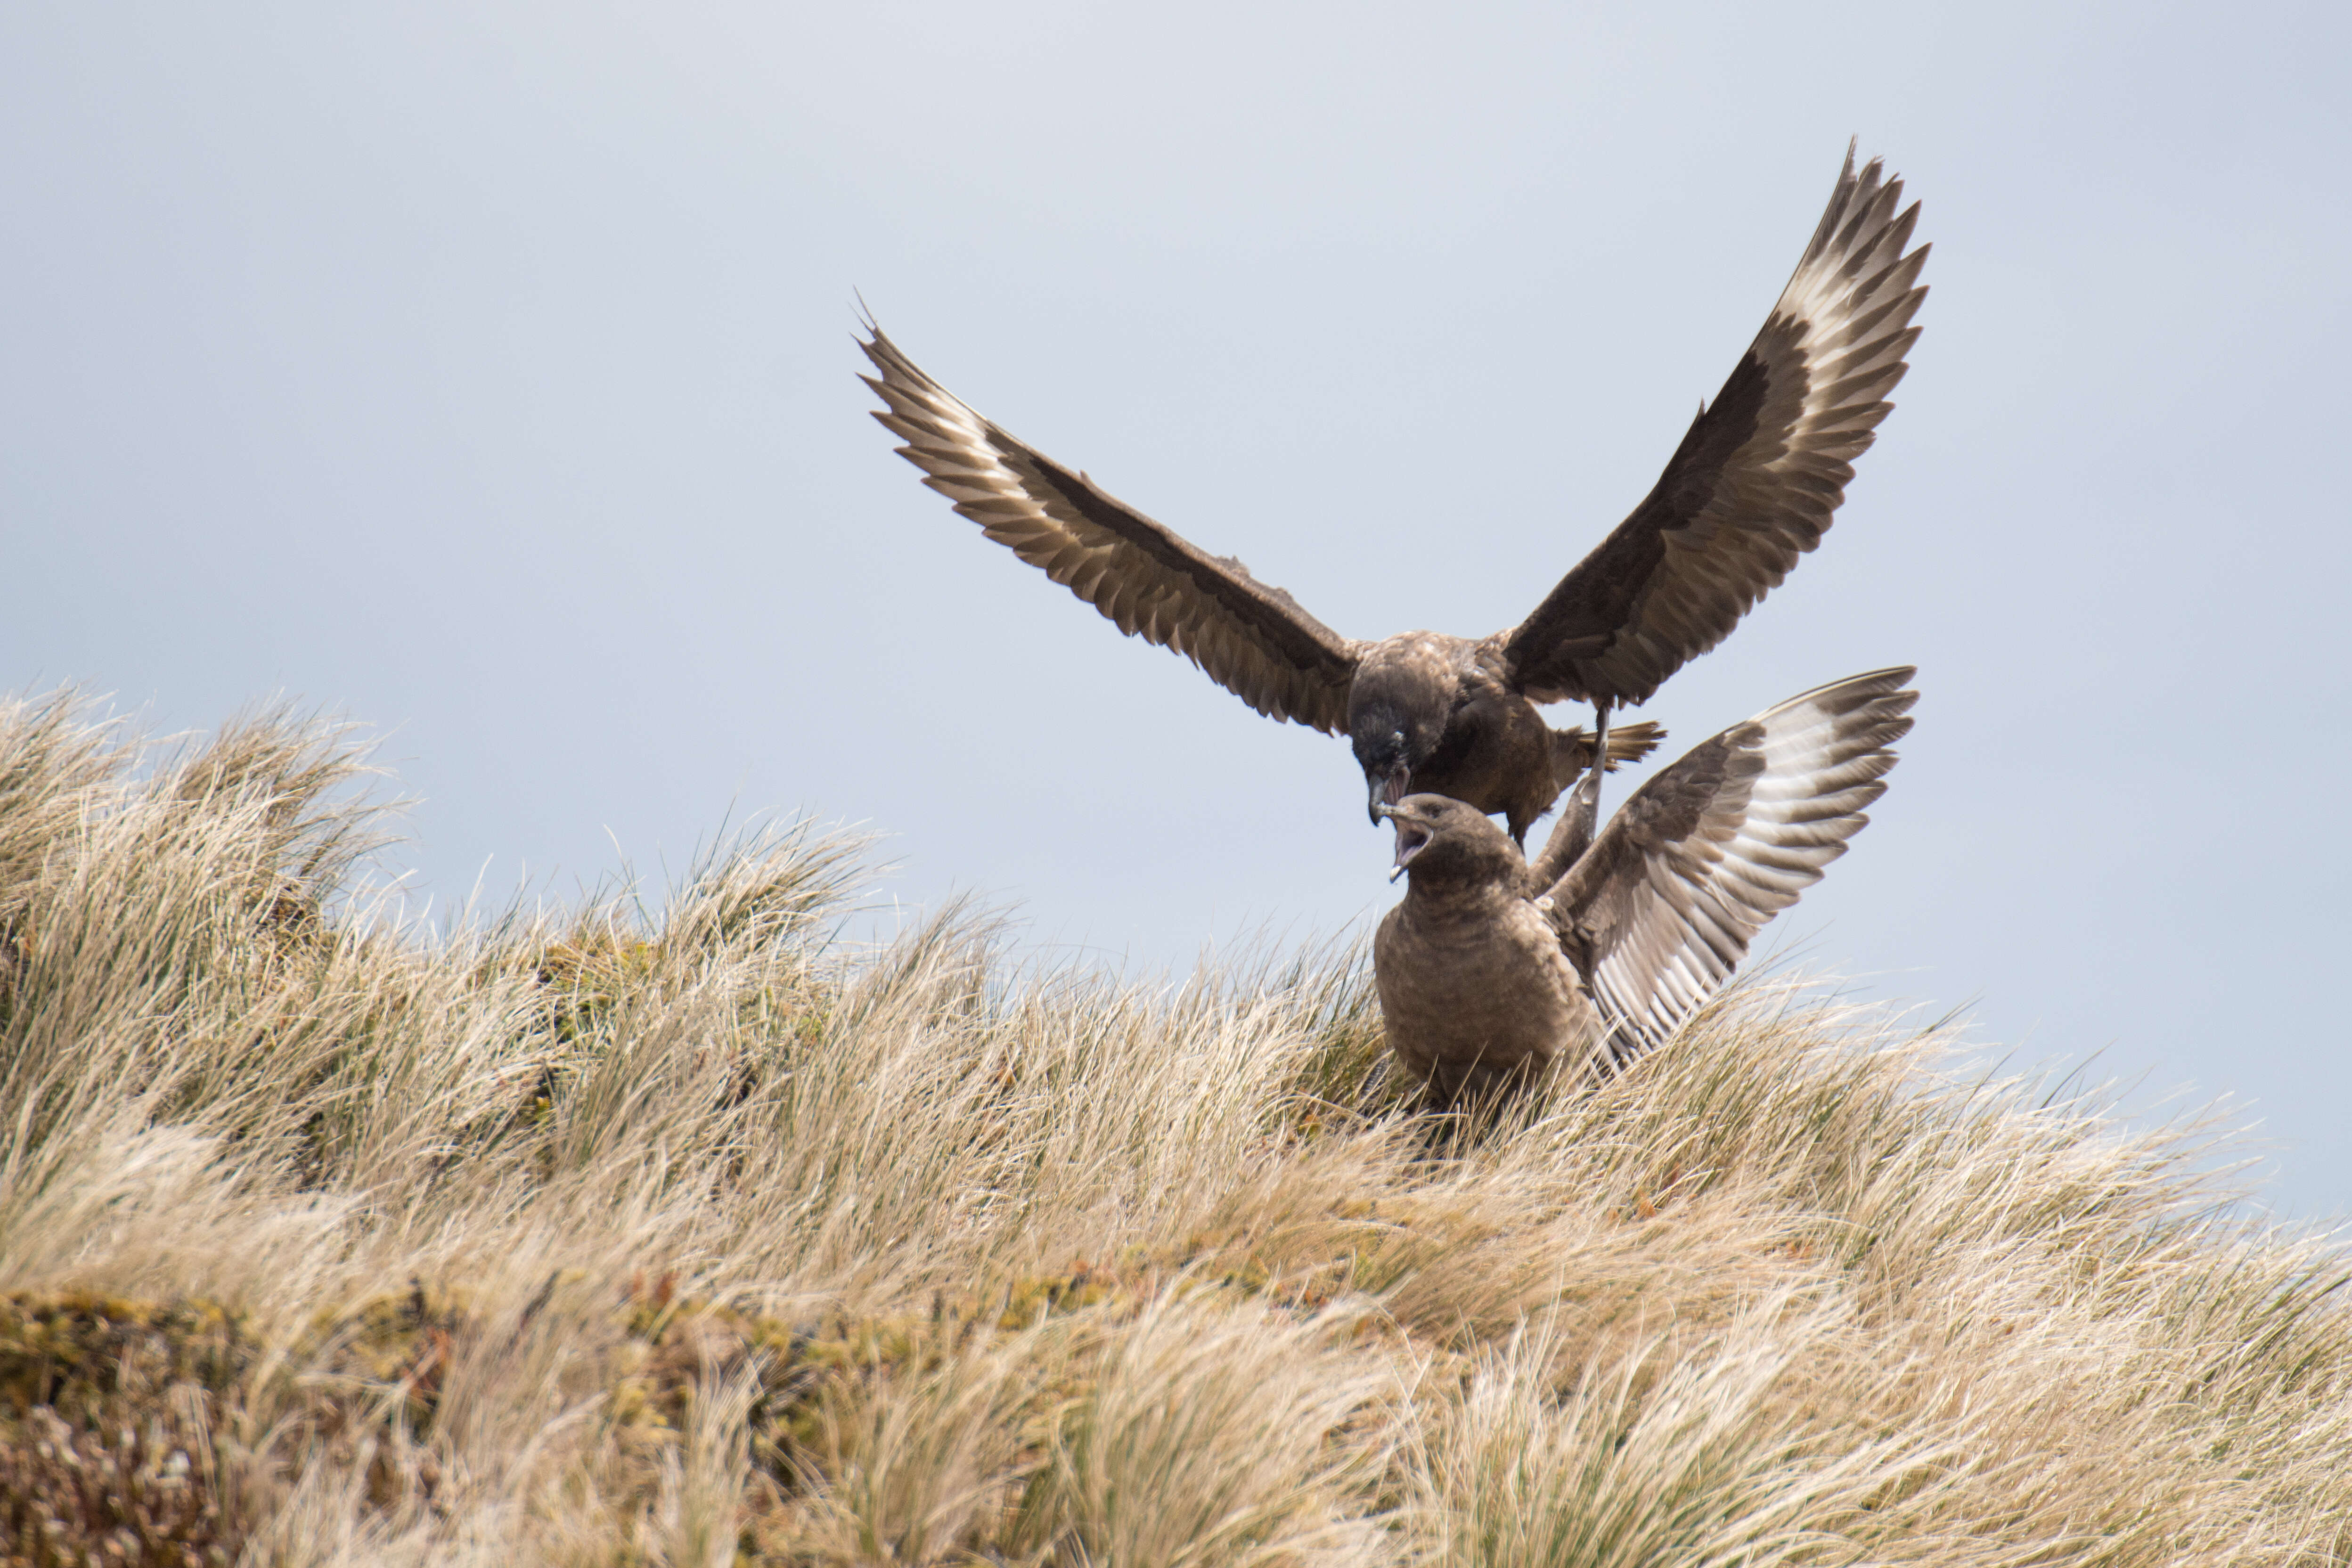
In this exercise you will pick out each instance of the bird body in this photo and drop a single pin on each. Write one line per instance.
(1437, 713)
(1490, 971)
(1475, 989)
(1751, 486)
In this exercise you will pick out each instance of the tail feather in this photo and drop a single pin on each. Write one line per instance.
(1571, 749)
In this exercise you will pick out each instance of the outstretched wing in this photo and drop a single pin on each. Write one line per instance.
(1757, 477)
(1660, 911)
(1250, 638)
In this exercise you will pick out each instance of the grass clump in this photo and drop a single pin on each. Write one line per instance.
(589, 1235)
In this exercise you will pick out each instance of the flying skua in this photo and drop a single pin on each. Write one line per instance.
(1752, 486)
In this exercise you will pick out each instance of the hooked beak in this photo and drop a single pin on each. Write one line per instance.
(1387, 789)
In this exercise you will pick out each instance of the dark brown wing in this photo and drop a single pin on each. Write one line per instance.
(1660, 911)
(1250, 638)
(1755, 480)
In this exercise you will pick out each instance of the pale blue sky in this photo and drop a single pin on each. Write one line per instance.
(485, 372)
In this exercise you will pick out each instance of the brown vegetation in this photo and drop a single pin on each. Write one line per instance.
(574, 1235)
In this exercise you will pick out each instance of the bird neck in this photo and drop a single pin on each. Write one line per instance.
(1439, 902)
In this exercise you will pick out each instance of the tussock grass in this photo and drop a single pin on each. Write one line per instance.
(602, 1235)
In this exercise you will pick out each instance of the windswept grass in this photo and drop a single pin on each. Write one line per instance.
(585, 1236)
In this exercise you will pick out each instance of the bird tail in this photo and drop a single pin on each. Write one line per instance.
(1571, 749)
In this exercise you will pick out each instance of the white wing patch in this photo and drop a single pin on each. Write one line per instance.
(1849, 305)
(1766, 837)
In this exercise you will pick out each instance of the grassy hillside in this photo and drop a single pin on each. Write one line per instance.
(601, 1235)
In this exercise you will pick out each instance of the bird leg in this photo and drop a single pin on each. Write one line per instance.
(1580, 819)
(1586, 805)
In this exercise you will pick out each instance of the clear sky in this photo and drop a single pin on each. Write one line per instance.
(484, 372)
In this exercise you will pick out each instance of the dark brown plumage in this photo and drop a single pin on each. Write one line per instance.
(1487, 975)
(1751, 488)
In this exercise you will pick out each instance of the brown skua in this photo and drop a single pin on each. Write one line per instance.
(1491, 970)
(1752, 486)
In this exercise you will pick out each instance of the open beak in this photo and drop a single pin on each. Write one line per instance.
(1412, 839)
(1387, 789)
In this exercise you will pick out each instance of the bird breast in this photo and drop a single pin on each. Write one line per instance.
(1480, 980)
(1468, 735)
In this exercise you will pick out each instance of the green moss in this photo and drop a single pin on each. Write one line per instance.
(82, 1353)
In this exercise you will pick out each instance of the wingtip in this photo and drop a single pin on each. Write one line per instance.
(879, 353)
(897, 370)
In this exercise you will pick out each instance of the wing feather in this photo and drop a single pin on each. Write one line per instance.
(1660, 911)
(1758, 475)
(1250, 638)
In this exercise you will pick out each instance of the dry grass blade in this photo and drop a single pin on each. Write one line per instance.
(675, 1231)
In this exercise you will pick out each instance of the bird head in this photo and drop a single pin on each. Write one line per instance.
(1397, 710)
(1387, 756)
(1446, 843)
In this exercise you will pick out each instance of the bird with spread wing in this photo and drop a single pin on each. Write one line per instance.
(1491, 970)
(1751, 488)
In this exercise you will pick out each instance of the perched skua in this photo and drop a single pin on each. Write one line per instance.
(1491, 970)
(1751, 488)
